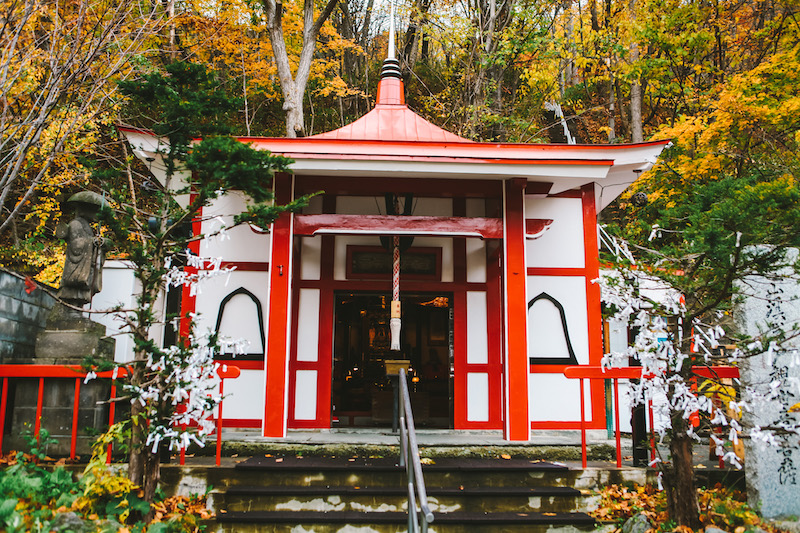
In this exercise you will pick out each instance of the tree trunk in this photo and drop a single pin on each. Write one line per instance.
(637, 135)
(681, 490)
(293, 87)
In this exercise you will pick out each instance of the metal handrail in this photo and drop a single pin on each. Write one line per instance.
(418, 510)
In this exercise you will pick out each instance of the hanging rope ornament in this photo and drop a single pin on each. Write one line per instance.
(395, 322)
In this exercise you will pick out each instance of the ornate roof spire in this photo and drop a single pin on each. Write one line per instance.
(391, 119)
(391, 66)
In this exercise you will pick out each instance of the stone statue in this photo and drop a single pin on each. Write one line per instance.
(82, 276)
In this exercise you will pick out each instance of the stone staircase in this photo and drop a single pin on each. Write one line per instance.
(321, 495)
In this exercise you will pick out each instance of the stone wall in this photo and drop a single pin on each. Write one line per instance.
(22, 316)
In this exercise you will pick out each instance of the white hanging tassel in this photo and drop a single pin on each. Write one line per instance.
(394, 328)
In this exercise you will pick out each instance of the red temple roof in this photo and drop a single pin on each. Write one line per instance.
(391, 120)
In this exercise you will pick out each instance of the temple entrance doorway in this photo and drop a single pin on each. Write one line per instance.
(362, 392)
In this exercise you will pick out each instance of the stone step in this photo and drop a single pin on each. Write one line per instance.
(357, 498)
(396, 522)
(377, 472)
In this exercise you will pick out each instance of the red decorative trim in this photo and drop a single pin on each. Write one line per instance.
(435, 251)
(494, 318)
(470, 158)
(517, 424)
(537, 187)
(189, 300)
(557, 271)
(377, 285)
(382, 146)
(243, 364)
(535, 227)
(442, 188)
(573, 193)
(275, 405)
(486, 228)
(326, 324)
(241, 422)
(549, 369)
(593, 303)
(294, 364)
(460, 391)
(564, 424)
(324, 363)
(246, 266)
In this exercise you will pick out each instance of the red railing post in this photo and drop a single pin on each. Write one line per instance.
(583, 427)
(219, 422)
(75, 405)
(627, 372)
(224, 372)
(652, 430)
(616, 423)
(3, 403)
(111, 405)
(37, 424)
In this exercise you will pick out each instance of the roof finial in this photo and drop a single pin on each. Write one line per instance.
(391, 53)
(391, 66)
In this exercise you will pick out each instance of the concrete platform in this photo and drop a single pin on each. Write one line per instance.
(425, 437)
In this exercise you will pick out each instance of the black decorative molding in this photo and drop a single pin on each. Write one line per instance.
(571, 360)
(259, 312)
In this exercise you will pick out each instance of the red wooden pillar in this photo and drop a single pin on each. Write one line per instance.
(280, 298)
(593, 300)
(517, 423)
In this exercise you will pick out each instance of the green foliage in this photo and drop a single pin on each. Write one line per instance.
(186, 100)
(197, 164)
(223, 163)
(32, 496)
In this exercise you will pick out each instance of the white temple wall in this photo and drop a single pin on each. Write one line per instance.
(556, 261)
(310, 257)
(545, 329)
(554, 397)
(242, 309)
(305, 404)
(343, 241)
(120, 287)
(240, 243)
(476, 260)
(562, 244)
(376, 205)
(244, 396)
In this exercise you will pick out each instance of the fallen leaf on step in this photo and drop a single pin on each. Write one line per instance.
(505, 456)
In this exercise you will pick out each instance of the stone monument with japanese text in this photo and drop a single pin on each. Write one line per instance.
(772, 462)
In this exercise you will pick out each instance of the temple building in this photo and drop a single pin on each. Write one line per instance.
(497, 247)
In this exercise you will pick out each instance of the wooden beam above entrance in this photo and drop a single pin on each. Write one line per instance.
(484, 228)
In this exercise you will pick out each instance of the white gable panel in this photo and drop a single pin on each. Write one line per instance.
(545, 332)
(211, 293)
(562, 244)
